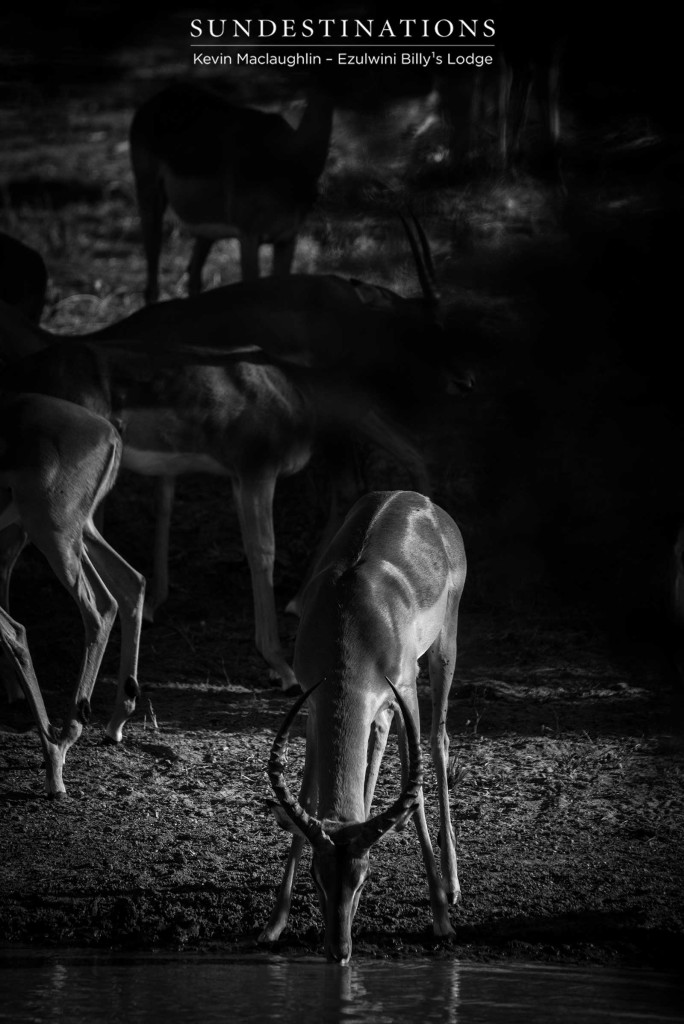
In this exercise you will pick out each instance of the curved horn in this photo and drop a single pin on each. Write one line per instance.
(423, 260)
(306, 823)
(373, 829)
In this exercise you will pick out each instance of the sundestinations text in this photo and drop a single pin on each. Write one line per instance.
(335, 29)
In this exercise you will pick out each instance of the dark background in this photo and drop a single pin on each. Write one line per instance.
(563, 465)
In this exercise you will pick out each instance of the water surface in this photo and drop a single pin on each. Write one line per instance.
(98, 989)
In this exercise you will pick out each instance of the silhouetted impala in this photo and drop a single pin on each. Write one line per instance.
(227, 172)
(242, 382)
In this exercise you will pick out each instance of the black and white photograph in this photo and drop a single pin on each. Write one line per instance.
(341, 512)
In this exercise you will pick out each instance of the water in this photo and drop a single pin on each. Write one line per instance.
(94, 989)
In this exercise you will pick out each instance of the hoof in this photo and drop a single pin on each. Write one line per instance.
(107, 741)
(61, 795)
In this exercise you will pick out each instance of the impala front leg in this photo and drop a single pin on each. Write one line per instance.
(307, 798)
(376, 749)
(438, 897)
(254, 501)
(13, 636)
(442, 662)
(128, 588)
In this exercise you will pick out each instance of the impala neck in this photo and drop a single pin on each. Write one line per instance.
(343, 727)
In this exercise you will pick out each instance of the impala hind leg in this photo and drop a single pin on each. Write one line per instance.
(283, 255)
(128, 589)
(98, 609)
(254, 501)
(200, 252)
(13, 637)
(249, 257)
(438, 897)
(151, 203)
(442, 663)
(159, 591)
(77, 574)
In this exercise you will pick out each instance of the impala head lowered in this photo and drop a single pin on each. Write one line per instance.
(340, 849)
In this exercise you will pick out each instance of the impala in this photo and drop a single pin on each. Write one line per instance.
(242, 381)
(227, 172)
(386, 591)
(57, 462)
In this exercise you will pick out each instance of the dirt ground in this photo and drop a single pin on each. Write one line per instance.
(567, 806)
(566, 715)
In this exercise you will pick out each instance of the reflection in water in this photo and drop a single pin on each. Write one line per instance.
(87, 989)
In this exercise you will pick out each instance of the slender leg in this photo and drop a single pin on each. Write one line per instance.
(283, 255)
(98, 611)
(438, 900)
(307, 798)
(249, 257)
(442, 662)
(200, 252)
(13, 637)
(166, 489)
(151, 203)
(128, 589)
(254, 501)
(13, 540)
(376, 748)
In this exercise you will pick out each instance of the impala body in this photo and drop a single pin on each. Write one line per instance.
(57, 463)
(242, 381)
(385, 592)
(227, 172)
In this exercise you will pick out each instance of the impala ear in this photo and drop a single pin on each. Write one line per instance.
(284, 819)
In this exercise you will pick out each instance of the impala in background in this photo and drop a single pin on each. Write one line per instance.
(227, 171)
(243, 381)
(57, 462)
